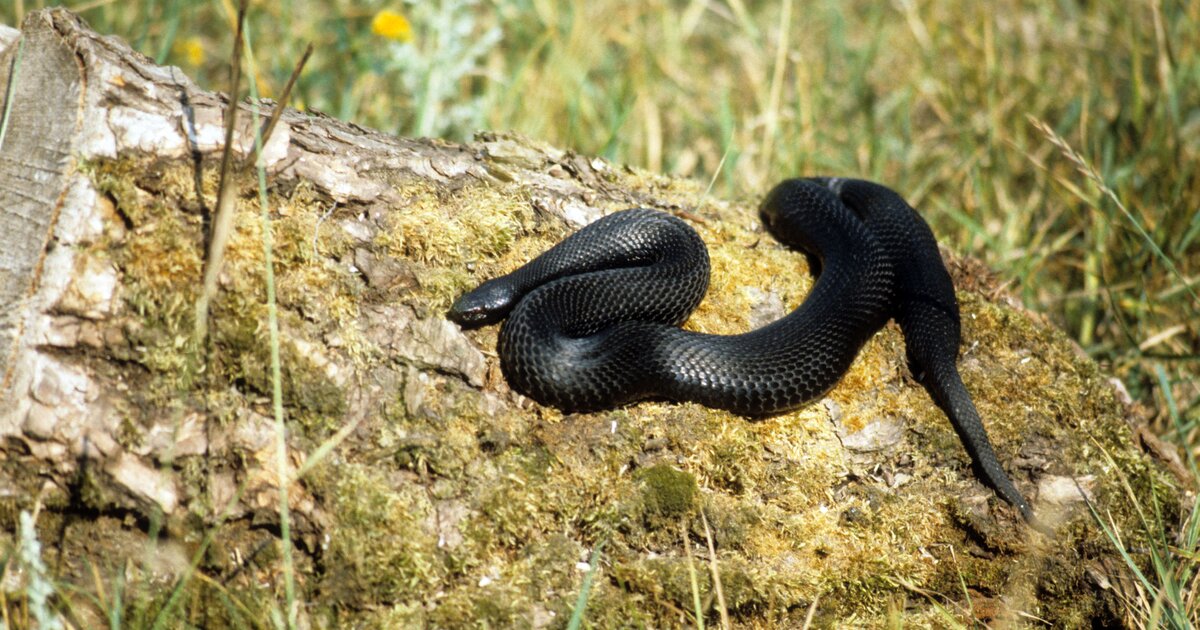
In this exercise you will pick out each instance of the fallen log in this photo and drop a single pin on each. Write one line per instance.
(422, 490)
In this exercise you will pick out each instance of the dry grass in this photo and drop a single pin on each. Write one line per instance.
(1057, 140)
(940, 101)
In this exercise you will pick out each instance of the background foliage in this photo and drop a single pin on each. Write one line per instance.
(1056, 140)
(935, 98)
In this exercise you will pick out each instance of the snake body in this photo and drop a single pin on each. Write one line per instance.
(593, 322)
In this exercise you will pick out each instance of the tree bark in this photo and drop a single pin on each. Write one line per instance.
(431, 493)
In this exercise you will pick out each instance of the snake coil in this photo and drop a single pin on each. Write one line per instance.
(593, 322)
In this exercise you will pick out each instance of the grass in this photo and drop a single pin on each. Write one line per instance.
(1166, 598)
(950, 106)
(1058, 141)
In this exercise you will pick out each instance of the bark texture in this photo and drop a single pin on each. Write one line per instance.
(430, 493)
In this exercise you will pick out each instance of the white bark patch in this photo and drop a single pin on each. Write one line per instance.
(143, 132)
(92, 289)
(143, 483)
(433, 342)
(877, 435)
(1065, 490)
(169, 439)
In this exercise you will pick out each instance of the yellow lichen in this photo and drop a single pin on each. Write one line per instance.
(452, 505)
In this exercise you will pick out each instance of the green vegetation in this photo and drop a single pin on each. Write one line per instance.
(1058, 141)
(943, 102)
(667, 493)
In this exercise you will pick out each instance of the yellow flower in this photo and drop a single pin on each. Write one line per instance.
(192, 49)
(392, 25)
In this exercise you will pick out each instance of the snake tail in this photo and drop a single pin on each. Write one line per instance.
(926, 308)
(593, 322)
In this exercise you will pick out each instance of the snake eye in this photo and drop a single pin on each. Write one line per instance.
(468, 317)
(489, 303)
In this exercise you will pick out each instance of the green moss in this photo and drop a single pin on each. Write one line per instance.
(454, 510)
(667, 493)
(379, 552)
(663, 579)
(94, 492)
(161, 259)
(731, 524)
(447, 448)
(515, 514)
(492, 606)
(729, 465)
(443, 233)
(551, 566)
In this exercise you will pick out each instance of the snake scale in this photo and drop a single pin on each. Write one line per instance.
(593, 322)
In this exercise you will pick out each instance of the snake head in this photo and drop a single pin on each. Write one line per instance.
(488, 303)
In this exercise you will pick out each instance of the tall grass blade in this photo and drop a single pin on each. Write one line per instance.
(281, 461)
(9, 90)
(586, 588)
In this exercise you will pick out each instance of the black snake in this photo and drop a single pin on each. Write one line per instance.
(594, 321)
